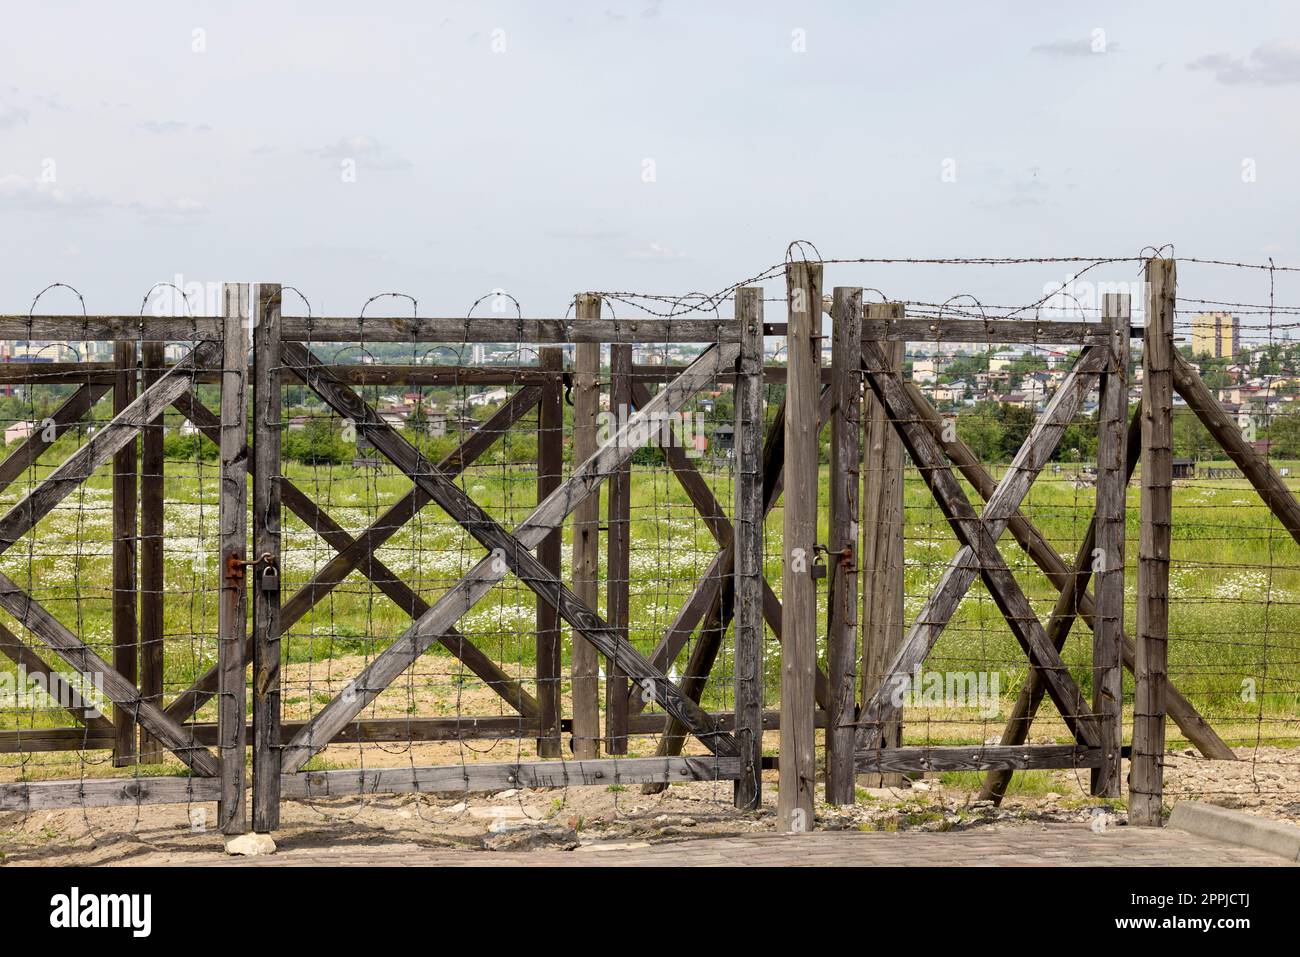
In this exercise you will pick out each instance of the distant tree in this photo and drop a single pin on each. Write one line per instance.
(317, 444)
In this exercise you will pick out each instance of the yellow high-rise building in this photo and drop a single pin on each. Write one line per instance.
(1215, 334)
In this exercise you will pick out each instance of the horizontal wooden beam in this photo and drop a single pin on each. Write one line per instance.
(976, 758)
(367, 731)
(999, 331)
(354, 373)
(496, 329)
(380, 329)
(489, 777)
(107, 792)
(115, 792)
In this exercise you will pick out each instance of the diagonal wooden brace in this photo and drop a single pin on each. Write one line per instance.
(188, 702)
(979, 555)
(113, 437)
(64, 417)
(406, 599)
(508, 552)
(1045, 556)
(120, 690)
(703, 599)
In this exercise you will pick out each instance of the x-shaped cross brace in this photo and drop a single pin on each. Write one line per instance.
(979, 555)
(509, 552)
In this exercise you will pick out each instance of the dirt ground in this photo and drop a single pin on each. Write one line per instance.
(1266, 782)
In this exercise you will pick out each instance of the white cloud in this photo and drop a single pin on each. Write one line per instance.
(11, 116)
(20, 193)
(1082, 47)
(365, 150)
(27, 195)
(182, 210)
(656, 251)
(1272, 64)
(163, 127)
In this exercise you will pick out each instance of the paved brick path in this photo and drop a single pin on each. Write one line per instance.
(1057, 844)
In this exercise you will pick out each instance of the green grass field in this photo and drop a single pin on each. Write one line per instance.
(1235, 583)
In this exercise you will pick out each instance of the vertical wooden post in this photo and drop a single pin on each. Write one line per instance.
(550, 469)
(231, 614)
(880, 564)
(266, 301)
(618, 567)
(152, 529)
(585, 556)
(1108, 558)
(747, 537)
(846, 457)
(798, 769)
(125, 625)
(1146, 784)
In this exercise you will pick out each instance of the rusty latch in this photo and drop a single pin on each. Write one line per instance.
(235, 566)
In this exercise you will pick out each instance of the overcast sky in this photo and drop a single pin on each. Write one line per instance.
(447, 149)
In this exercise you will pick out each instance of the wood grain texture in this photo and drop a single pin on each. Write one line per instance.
(1109, 559)
(458, 329)
(107, 792)
(845, 477)
(267, 514)
(618, 556)
(606, 772)
(584, 667)
(747, 545)
(881, 557)
(232, 610)
(1146, 773)
(798, 772)
(125, 622)
(363, 730)
(986, 757)
(153, 531)
(550, 473)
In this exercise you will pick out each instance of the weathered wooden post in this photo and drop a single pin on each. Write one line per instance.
(152, 570)
(747, 538)
(798, 769)
(1108, 558)
(585, 558)
(1146, 784)
(845, 469)
(880, 564)
(550, 473)
(232, 612)
(266, 303)
(618, 567)
(125, 625)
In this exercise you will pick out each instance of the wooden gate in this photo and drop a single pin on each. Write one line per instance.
(281, 753)
(219, 349)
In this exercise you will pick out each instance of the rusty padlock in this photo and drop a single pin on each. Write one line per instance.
(270, 578)
(818, 569)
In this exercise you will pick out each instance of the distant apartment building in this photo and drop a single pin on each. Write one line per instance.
(1001, 361)
(929, 369)
(1216, 334)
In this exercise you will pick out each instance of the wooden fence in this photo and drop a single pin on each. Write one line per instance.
(877, 422)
